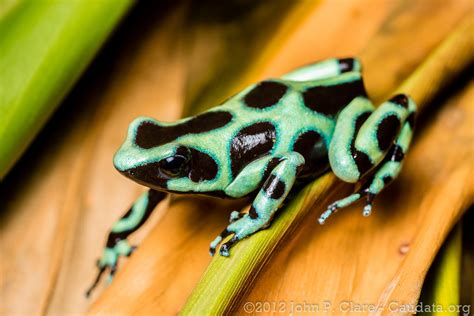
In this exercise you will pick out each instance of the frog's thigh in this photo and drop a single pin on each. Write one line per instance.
(251, 176)
(362, 138)
(268, 200)
(325, 69)
(344, 159)
(388, 168)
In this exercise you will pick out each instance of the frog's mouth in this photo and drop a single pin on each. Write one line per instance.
(146, 175)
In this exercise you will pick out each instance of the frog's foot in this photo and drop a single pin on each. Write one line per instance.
(386, 172)
(246, 225)
(224, 250)
(215, 243)
(109, 260)
(334, 207)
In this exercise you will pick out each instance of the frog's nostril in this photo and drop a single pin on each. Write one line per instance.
(130, 173)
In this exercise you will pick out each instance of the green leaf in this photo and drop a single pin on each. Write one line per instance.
(44, 47)
(442, 284)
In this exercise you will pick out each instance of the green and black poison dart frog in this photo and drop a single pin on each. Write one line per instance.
(262, 141)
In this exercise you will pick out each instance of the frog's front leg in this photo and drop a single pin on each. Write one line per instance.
(249, 180)
(370, 142)
(268, 199)
(117, 244)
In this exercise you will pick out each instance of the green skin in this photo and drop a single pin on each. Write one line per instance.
(354, 130)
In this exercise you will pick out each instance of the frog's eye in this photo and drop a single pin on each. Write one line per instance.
(174, 166)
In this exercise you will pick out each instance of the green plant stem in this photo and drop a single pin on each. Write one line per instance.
(442, 285)
(44, 47)
(226, 279)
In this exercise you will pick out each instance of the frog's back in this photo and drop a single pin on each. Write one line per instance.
(278, 116)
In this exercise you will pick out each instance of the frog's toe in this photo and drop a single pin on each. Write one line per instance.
(212, 248)
(97, 279)
(367, 210)
(234, 216)
(109, 261)
(225, 247)
(217, 241)
(224, 250)
(113, 270)
(132, 250)
(368, 204)
(329, 211)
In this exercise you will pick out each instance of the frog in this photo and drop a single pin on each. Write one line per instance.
(261, 143)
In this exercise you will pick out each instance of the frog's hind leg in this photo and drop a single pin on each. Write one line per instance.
(117, 244)
(325, 69)
(366, 140)
(267, 201)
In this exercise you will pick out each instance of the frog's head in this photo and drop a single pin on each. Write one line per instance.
(152, 155)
